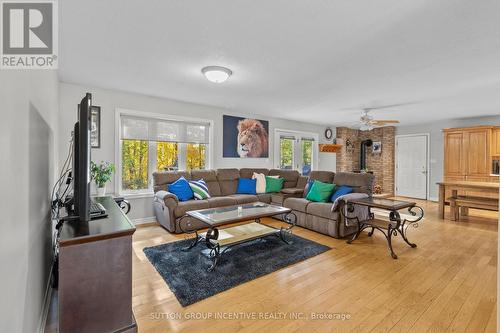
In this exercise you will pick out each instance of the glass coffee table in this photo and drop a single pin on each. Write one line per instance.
(218, 240)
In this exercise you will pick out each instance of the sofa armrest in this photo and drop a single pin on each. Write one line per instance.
(169, 199)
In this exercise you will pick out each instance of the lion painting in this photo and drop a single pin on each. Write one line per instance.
(252, 139)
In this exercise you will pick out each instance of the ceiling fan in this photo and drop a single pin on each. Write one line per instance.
(366, 121)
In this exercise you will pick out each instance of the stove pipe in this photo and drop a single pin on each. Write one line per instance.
(362, 153)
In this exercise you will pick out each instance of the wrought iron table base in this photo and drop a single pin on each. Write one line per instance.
(216, 251)
(400, 227)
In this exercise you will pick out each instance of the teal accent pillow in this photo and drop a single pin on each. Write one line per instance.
(341, 190)
(320, 192)
(246, 186)
(274, 185)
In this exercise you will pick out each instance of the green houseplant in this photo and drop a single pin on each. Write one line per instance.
(101, 173)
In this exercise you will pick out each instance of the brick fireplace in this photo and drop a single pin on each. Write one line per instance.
(382, 164)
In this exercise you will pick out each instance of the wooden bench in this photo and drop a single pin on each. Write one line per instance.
(461, 204)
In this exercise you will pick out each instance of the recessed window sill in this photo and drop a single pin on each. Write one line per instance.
(137, 195)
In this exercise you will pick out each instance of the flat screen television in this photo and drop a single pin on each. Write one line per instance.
(81, 160)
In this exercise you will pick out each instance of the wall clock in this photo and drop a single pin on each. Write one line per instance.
(328, 133)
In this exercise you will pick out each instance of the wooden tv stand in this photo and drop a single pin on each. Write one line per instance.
(95, 273)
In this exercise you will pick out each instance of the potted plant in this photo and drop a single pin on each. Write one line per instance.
(101, 173)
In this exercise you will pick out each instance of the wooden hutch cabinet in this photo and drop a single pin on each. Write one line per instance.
(469, 154)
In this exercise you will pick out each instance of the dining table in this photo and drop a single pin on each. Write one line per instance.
(463, 185)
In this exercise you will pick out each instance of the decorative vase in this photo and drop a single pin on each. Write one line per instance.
(101, 191)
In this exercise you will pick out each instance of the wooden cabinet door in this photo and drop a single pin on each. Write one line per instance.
(477, 151)
(495, 142)
(454, 154)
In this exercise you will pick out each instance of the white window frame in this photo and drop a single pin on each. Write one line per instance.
(119, 112)
(297, 134)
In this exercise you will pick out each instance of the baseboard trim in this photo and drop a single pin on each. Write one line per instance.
(46, 304)
(144, 220)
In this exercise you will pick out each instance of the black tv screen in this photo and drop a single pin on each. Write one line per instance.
(81, 160)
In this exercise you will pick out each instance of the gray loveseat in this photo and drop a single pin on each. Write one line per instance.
(222, 184)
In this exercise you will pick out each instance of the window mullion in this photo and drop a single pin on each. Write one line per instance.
(152, 162)
(182, 155)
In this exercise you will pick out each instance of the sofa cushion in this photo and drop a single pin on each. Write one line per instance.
(162, 179)
(181, 189)
(244, 198)
(293, 190)
(185, 206)
(322, 176)
(264, 197)
(302, 181)
(261, 182)
(210, 178)
(221, 202)
(290, 176)
(228, 180)
(298, 204)
(200, 189)
(340, 191)
(277, 198)
(274, 185)
(307, 188)
(322, 209)
(360, 182)
(247, 186)
(320, 192)
(248, 172)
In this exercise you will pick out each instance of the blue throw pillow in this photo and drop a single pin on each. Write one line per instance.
(307, 188)
(341, 190)
(181, 189)
(247, 186)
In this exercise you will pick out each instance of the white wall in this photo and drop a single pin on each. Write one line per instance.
(109, 100)
(437, 142)
(28, 133)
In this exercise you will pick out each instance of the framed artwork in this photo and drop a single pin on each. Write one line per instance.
(377, 147)
(245, 137)
(95, 129)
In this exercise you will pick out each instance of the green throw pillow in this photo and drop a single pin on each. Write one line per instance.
(274, 184)
(320, 192)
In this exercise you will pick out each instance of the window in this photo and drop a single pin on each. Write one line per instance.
(306, 146)
(286, 152)
(156, 144)
(297, 151)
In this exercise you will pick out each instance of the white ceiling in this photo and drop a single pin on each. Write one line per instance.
(305, 60)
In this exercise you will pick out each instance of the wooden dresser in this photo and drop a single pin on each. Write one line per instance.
(95, 274)
(469, 153)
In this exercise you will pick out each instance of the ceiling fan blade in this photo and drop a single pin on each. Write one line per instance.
(367, 108)
(391, 105)
(385, 121)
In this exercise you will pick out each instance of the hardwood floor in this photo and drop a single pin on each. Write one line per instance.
(448, 283)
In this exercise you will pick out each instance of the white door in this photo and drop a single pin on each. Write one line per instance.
(411, 166)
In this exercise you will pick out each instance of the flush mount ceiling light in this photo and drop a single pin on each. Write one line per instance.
(216, 74)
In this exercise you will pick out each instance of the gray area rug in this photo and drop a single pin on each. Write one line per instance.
(186, 273)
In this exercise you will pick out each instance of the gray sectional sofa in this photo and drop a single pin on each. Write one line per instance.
(222, 184)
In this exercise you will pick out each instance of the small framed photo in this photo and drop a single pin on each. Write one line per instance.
(377, 147)
(95, 129)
